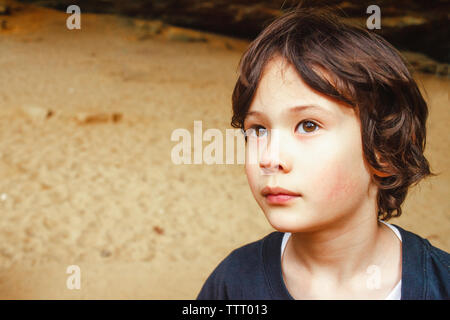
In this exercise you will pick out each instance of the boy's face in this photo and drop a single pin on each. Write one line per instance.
(319, 155)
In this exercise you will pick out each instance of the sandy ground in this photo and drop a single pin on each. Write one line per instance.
(86, 176)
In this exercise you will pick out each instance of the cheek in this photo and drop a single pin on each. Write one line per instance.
(340, 183)
(250, 172)
(342, 176)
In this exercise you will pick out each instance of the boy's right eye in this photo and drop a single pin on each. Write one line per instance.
(256, 131)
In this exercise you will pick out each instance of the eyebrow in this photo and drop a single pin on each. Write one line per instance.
(296, 109)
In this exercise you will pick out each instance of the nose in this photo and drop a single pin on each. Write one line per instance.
(273, 157)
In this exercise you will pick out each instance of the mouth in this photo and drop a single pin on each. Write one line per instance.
(277, 195)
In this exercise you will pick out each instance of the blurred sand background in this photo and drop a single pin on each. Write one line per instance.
(86, 176)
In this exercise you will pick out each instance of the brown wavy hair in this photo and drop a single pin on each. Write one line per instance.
(360, 69)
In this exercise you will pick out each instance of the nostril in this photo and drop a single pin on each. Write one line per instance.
(267, 164)
(267, 172)
(269, 168)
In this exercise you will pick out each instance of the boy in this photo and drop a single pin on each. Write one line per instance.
(351, 130)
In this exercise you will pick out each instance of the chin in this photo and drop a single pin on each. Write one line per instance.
(284, 220)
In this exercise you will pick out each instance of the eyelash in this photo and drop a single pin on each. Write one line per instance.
(256, 126)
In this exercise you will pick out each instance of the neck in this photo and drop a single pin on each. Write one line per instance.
(340, 251)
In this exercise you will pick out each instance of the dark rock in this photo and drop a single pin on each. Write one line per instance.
(3, 24)
(422, 63)
(105, 253)
(158, 230)
(419, 26)
(147, 28)
(98, 117)
(4, 9)
(184, 35)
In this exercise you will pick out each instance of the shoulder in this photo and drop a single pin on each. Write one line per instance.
(437, 266)
(416, 242)
(426, 265)
(250, 254)
(242, 268)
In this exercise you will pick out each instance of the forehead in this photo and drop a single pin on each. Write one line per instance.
(281, 88)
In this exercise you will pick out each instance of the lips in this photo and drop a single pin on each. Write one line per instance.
(278, 191)
(277, 195)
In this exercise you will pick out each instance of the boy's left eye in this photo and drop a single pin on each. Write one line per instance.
(308, 126)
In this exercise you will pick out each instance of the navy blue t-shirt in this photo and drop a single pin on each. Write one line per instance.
(253, 272)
